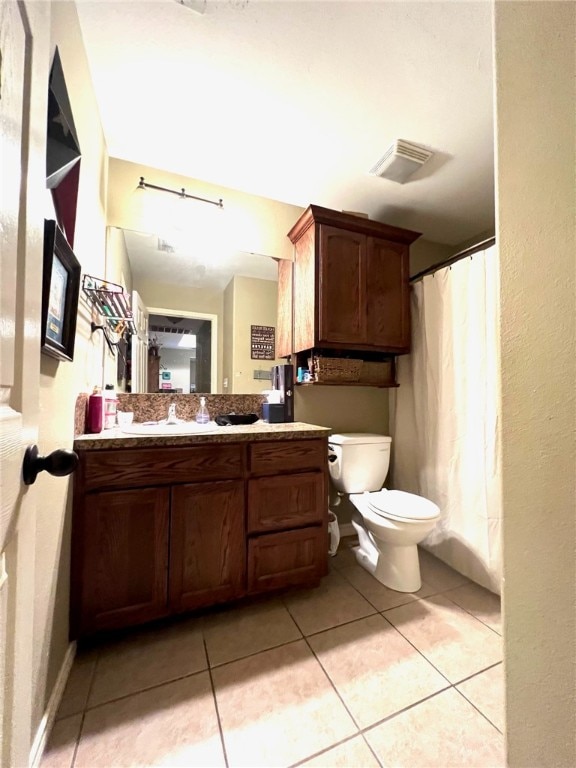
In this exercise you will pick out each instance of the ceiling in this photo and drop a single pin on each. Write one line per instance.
(296, 101)
(209, 271)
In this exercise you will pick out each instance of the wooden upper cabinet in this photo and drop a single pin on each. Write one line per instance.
(350, 284)
(284, 334)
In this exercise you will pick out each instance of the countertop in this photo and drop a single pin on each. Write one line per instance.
(261, 430)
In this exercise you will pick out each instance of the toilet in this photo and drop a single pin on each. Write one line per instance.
(390, 524)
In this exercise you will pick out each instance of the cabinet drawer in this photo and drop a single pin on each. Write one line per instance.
(286, 501)
(287, 456)
(162, 466)
(292, 558)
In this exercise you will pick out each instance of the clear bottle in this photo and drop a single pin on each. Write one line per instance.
(110, 406)
(202, 416)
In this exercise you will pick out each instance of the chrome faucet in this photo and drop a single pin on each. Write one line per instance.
(172, 414)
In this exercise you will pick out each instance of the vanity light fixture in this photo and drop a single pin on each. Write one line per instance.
(181, 193)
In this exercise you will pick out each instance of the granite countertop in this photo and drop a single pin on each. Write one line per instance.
(261, 430)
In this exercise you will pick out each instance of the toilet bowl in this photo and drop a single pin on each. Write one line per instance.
(389, 524)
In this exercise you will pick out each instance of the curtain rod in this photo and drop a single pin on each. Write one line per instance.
(460, 255)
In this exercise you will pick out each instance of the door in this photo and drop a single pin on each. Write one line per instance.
(139, 348)
(21, 235)
(203, 358)
(388, 295)
(342, 286)
(122, 549)
(207, 544)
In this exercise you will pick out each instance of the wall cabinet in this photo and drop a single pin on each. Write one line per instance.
(160, 531)
(349, 285)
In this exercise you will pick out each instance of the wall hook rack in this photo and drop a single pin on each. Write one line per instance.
(111, 344)
(111, 302)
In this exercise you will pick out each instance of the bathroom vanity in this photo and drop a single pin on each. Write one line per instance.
(164, 525)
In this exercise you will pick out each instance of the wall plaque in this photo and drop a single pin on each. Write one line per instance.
(262, 342)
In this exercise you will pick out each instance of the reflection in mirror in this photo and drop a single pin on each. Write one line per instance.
(182, 359)
(217, 296)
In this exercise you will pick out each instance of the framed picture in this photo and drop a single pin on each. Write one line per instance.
(262, 342)
(60, 290)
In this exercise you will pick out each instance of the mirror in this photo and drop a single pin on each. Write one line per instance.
(216, 300)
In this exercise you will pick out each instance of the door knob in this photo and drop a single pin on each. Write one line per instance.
(59, 463)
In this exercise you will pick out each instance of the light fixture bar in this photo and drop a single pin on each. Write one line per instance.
(180, 192)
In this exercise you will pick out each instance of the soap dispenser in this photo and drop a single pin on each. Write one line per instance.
(202, 416)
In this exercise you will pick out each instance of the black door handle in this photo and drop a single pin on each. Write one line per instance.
(59, 463)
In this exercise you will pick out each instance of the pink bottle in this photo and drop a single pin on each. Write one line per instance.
(95, 412)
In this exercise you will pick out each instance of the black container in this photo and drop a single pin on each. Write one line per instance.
(274, 413)
(283, 381)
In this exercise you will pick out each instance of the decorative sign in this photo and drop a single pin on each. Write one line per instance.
(262, 342)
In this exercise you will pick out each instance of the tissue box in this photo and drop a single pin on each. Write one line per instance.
(273, 413)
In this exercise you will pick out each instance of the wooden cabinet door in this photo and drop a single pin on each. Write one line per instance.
(387, 295)
(342, 284)
(207, 544)
(123, 537)
(291, 558)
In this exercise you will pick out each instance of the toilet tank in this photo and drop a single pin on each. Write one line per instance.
(358, 461)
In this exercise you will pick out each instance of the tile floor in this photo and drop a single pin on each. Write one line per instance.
(350, 674)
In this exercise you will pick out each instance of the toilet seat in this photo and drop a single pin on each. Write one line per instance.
(402, 506)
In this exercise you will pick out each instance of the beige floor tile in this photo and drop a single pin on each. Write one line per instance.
(334, 602)
(454, 641)
(61, 745)
(248, 629)
(486, 692)
(480, 603)
(344, 557)
(172, 725)
(442, 732)
(374, 669)
(438, 576)
(376, 593)
(278, 707)
(354, 752)
(148, 658)
(78, 686)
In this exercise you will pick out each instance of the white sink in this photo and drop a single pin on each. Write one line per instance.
(186, 428)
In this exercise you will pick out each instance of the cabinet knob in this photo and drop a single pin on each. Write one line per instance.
(58, 463)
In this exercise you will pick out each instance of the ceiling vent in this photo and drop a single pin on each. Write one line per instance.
(199, 6)
(400, 161)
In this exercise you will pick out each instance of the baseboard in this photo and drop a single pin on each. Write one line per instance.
(347, 529)
(39, 743)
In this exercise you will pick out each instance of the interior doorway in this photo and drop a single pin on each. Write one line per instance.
(187, 354)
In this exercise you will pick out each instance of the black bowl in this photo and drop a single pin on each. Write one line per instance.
(230, 419)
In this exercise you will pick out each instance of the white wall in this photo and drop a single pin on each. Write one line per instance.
(536, 139)
(255, 303)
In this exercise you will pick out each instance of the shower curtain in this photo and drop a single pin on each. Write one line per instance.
(444, 415)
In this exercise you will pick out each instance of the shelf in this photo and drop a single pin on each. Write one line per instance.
(343, 384)
(112, 303)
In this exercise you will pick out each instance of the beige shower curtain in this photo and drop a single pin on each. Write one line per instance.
(444, 415)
